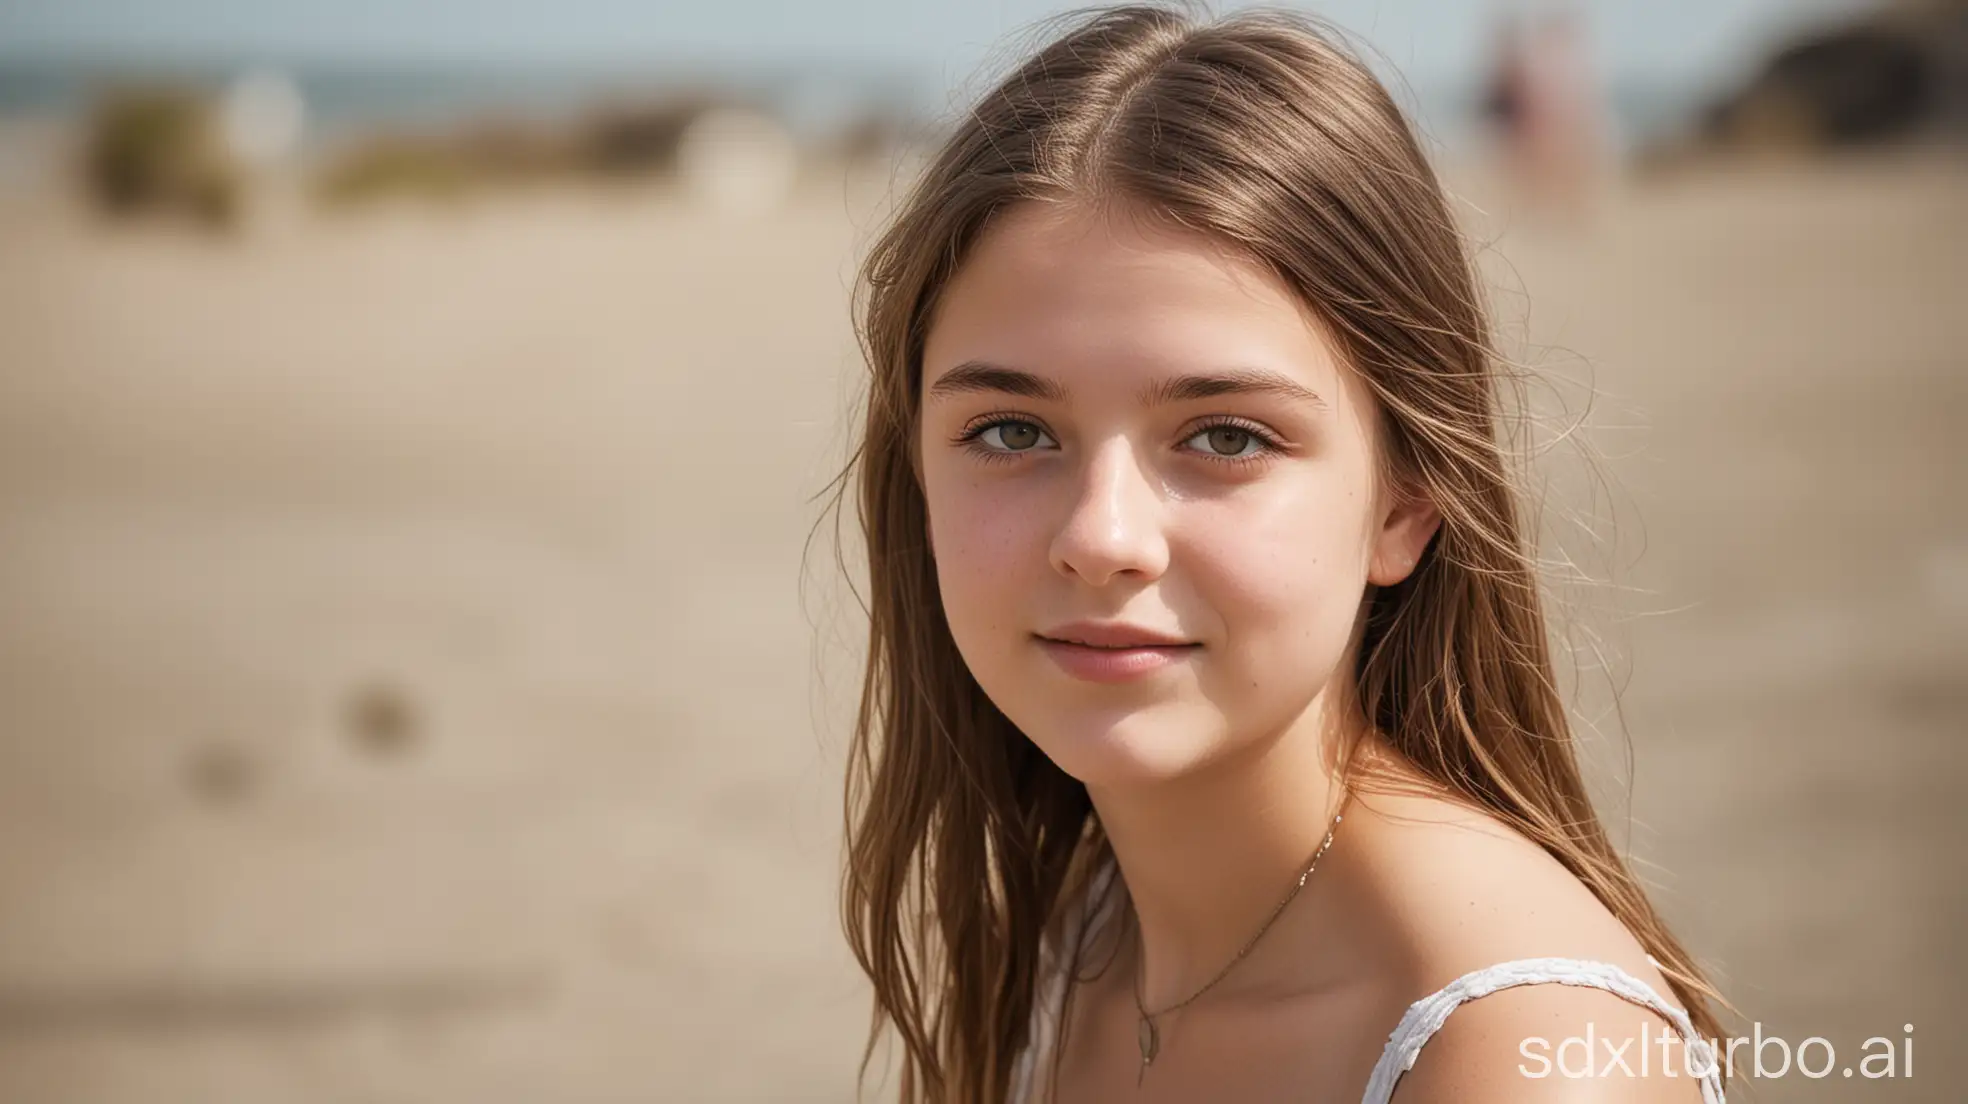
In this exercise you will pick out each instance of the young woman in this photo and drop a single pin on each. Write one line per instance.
(1209, 746)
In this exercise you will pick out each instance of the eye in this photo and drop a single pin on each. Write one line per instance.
(1004, 437)
(1233, 441)
(1014, 436)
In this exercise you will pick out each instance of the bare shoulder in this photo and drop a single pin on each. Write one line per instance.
(1551, 1043)
(1458, 891)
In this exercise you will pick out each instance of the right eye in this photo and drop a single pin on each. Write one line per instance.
(1007, 436)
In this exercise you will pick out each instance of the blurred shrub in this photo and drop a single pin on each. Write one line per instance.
(443, 166)
(1894, 75)
(642, 138)
(618, 140)
(159, 150)
(1862, 85)
(395, 165)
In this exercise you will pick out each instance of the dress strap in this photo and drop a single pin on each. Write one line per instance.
(1049, 999)
(1426, 1016)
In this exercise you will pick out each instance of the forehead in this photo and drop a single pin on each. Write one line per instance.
(1087, 296)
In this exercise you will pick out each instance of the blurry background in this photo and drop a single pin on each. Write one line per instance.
(411, 684)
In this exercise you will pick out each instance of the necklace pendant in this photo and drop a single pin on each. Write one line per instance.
(1150, 1039)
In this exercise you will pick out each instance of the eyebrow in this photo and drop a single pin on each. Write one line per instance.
(980, 376)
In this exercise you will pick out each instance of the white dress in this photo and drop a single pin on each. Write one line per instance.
(1423, 1018)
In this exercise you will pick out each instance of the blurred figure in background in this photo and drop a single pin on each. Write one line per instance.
(1544, 104)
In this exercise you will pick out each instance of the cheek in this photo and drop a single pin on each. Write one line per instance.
(1285, 574)
(983, 537)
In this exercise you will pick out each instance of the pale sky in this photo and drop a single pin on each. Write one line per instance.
(1430, 41)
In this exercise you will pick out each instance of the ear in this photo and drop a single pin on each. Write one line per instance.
(1410, 523)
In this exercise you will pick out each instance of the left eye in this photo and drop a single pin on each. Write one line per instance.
(1229, 441)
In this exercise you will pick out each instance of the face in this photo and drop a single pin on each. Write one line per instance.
(1133, 439)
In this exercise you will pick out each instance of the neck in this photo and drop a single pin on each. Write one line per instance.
(1207, 857)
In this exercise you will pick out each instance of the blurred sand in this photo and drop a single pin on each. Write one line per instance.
(539, 467)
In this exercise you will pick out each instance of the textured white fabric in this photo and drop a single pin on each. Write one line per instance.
(1049, 1001)
(1423, 1018)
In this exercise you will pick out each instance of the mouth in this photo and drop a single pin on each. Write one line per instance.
(1114, 662)
(1115, 635)
(1129, 646)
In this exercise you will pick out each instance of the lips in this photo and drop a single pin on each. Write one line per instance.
(1115, 654)
(1116, 635)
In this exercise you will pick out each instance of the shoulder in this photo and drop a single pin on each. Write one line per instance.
(1458, 892)
(1456, 889)
(1551, 1043)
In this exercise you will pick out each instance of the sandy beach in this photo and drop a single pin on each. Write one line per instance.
(408, 691)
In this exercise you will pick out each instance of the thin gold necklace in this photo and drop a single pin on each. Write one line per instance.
(1147, 1033)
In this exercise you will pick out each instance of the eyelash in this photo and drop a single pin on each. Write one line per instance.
(1268, 445)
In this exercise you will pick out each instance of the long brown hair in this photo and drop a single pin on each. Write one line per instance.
(1259, 131)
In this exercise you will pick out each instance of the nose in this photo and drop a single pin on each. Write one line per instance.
(1114, 523)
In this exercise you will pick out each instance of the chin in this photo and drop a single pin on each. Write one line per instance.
(1132, 747)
